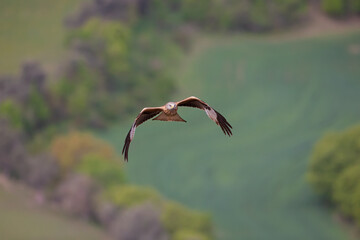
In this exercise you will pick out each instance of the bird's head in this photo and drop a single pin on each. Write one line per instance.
(171, 105)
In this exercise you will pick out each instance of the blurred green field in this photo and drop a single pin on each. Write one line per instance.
(21, 219)
(31, 30)
(280, 96)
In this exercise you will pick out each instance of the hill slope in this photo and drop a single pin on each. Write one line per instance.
(280, 97)
(21, 219)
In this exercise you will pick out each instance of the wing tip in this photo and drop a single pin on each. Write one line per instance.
(125, 150)
(224, 124)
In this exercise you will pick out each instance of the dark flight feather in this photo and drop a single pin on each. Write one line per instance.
(144, 115)
(218, 119)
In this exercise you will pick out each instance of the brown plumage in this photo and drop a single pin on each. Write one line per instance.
(168, 112)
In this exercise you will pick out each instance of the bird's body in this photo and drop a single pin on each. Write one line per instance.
(168, 112)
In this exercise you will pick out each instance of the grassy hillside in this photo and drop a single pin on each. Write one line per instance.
(31, 30)
(280, 96)
(21, 219)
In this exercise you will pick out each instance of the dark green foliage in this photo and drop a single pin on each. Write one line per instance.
(37, 110)
(178, 218)
(130, 195)
(117, 69)
(12, 112)
(355, 6)
(105, 171)
(335, 170)
(347, 192)
(340, 8)
(74, 96)
(42, 139)
(258, 15)
(28, 106)
(331, 156)
(189, 235)
(196, 10)
(120, 70)
(334, 7)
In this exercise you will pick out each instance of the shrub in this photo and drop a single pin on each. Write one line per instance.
(176, 217)
(131, 195)
(37, 109)
(354, 6)
(105, 171)
(347, 192)
(331, 156)
(70, 149)
(115, 60)
(12, 112)
(341, 7)
(259, 15)
(189, 235)
(334, 7)
(196, 10)
(41, 141)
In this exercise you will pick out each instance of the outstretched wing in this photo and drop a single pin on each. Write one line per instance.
(144, 115)
(212, 113)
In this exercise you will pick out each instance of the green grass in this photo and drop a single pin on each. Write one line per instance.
(21, 219)
(31, 29)
(280, 97)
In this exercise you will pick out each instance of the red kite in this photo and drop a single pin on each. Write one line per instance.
(168, 112)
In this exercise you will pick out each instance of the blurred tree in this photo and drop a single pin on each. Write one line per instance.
(26, 102)
(331, 156)
(259, 15)
(347, 192)
(36, 111)
(334, 7)
(189, 235)
(176, 217)
(107, 172)
(12, 112)
(196, 11)
(248, 15)
(355, 6)
(131, 195)
(340, 8)
(123, 69)
(70, 149)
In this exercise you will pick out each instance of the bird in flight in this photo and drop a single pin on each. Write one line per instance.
(168, 112)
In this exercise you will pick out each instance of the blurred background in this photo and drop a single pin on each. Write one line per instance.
(75, 73)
